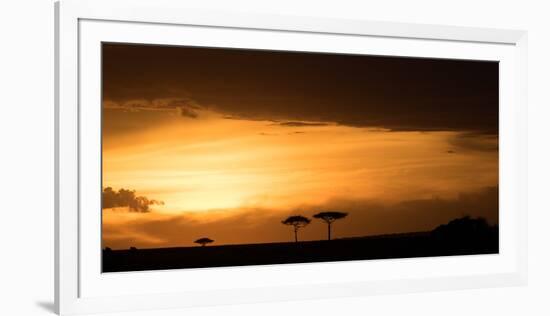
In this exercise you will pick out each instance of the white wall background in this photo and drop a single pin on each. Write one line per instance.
(26, 168)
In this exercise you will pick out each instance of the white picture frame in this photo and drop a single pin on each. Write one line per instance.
(81, 26)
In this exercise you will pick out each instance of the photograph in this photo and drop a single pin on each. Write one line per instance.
(224, 157)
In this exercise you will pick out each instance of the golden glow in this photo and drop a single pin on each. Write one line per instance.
(213, 167)
(222, 163)
(235, 140)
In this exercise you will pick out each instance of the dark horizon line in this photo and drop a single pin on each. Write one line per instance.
(413, 233)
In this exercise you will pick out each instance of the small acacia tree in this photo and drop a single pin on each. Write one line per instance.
(203, 241)
(329, 218)
(297, 221)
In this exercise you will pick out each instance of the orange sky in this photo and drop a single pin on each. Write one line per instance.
(233, 141)
(211, 169)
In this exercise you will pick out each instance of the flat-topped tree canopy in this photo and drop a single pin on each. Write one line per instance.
(330, 217)
(297, 220)
(204, 241)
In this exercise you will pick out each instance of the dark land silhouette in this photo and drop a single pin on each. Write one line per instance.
(463, 236)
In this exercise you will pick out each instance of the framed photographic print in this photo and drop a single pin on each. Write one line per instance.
(259, 158)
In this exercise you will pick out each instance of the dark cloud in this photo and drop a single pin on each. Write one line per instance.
(366, 217)
(184, 106)
(126, 198)
(475, 142)
(402, 94)
(187, 112)
(301, 124)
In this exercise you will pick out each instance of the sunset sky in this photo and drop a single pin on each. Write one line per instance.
(231, 142)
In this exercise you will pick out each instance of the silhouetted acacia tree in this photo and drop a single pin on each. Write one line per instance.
(329, 218)
(204, 241)
(297, 221)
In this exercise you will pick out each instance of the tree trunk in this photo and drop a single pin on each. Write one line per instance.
(296, 234)
(328, 231)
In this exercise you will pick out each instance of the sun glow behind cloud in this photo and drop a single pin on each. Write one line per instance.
(209, 163)
(232, 141)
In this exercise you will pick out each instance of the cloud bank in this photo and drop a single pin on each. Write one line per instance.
(402, 94)
(126, 198)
